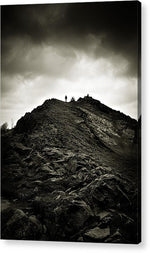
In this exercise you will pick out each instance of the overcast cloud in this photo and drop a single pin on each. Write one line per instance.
(74, 49)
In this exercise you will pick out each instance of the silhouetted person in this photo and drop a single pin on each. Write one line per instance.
(65, 98)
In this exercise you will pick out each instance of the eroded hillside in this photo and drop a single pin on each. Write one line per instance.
(69, 172)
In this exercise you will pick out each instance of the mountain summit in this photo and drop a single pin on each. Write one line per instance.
(70, 172)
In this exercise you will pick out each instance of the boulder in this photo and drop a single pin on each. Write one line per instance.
(97, 234)
(17, 225)
(64, 212)
(116, 237)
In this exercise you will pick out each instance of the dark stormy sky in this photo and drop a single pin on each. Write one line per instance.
(73, 49)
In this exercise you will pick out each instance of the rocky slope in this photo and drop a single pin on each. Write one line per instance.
(70, 173)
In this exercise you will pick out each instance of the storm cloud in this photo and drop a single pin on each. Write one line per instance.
(74, 49)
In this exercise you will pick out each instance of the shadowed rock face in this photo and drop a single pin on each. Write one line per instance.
(70, 172)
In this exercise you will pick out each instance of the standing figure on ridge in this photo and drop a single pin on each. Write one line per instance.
(65, 98)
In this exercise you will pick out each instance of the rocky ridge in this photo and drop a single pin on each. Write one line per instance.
(70, 173)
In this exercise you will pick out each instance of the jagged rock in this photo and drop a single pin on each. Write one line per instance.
(74, 213)
(97, 234)
(17, 225)
(115, 237)
(65, 215)
(102, 214)
(108, 191)
(4, 204)
(72, 165)
(21, 149)
(106, 220)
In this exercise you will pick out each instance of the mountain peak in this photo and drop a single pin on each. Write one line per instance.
(70, 167)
